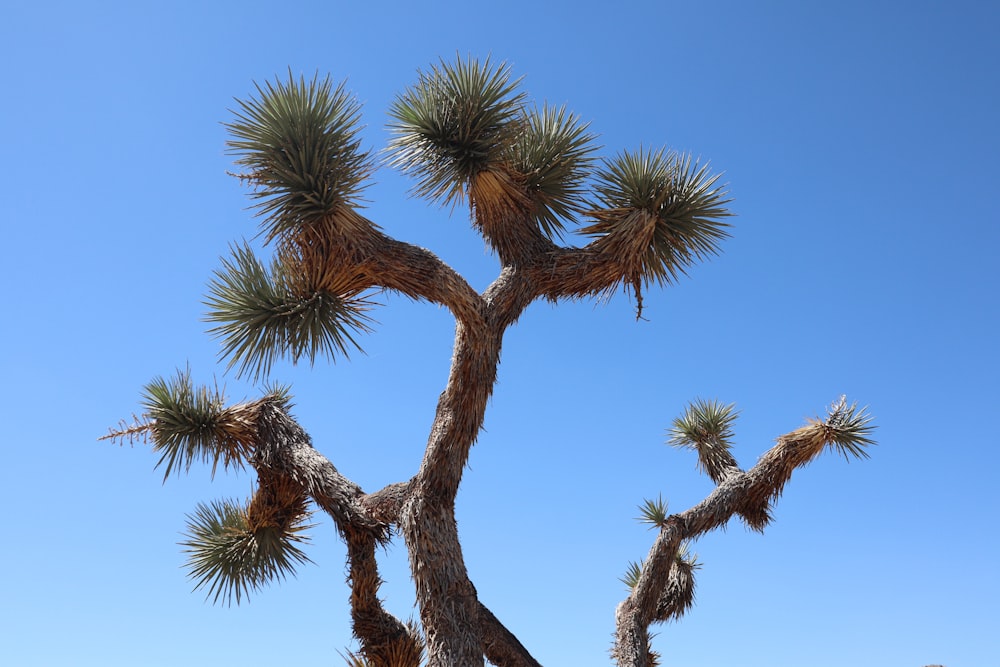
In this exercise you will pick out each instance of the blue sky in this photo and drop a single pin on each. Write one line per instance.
(859, 140)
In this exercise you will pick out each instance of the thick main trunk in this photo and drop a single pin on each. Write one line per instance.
(449, 607)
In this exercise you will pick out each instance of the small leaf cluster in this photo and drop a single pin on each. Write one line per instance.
(190, 424)
(848, 429)
(231, 557)
(456, 121)
(263, 314)
(662, 206)
(299, 143)
(653, 512)
(707, 428)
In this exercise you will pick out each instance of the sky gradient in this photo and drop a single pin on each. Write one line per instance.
(860, 145)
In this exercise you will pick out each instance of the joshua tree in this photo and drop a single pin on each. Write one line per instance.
(528, 175)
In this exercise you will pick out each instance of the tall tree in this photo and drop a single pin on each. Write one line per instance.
(467, 135)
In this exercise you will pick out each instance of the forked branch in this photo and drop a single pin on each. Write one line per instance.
(846, 429)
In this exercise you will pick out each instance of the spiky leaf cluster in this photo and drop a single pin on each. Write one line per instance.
(662, 209)
(298, 142)
(653, 512)
(553, 154)
(707, 428)
(847, 429)
(457, 120)
(263, 314)
(231, 557)
(190, 424)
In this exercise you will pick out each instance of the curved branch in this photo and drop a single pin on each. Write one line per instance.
(283, 447)
(592, 270)
(324, 256)
(284, 451)
(420, 274)
(500, 645)
(384, 639)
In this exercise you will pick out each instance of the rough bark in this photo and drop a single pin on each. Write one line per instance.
(647, 224)
(737, 494)
(501, 647)
(385, 641)
(458, 629)
(284, 451)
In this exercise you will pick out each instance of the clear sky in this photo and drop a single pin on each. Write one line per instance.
(860, 143)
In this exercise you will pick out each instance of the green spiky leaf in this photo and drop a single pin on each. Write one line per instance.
(189, 424)
(706, 427)
(848, 429)
(554, 153)
(454, 122)
(260, 316)
(298, 142)
(230, 560)
(663, 209)
(632, 574)
(653, 512)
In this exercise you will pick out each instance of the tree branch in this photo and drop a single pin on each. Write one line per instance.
(284, 450)
(501, 647)
(449, 607)
(592, 270)
(284, 447)
(384, 639)
(385, 504)
(420, 274)
(743, 493)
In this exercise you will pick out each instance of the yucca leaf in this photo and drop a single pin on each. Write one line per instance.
(632, 574)
(231, 560)
(260, 317)
(847, 429)
(706, 427)
(661, 210)
(553, 152)
(457, 120)
(298, 142)
(653, 512)
(190, 424)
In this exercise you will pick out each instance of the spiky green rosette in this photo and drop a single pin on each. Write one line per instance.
(707, 428)
(456, 121)
(231, 554)
(847, 429)
(298, 142)
(653, 512)
(553, 154)
(188, 424)
(661, 211)
(262, 315)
